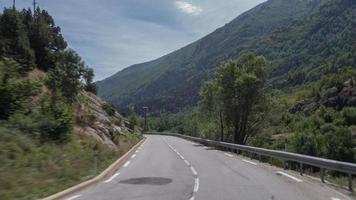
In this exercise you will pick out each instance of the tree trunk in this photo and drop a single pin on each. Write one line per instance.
(221, 127)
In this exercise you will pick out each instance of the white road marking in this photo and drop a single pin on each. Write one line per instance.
(289, 176)
(193, 171)
(334, 198)
(112, 178)
(133, 156)
(229, 155)
(196, 185)
(73, 197)
(196, 180)
(127, 164)
(253, 163)
(136, 151)
(186, 162)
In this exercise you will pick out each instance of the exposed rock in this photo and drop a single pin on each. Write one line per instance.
(93, 121)
(332, 97)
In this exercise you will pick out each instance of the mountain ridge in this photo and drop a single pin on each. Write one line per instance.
(155, 83)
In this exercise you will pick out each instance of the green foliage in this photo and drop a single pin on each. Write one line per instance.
(133, 121)
(57, 122)
(45, 37)
(88, 76)
(109, 109)
(236, 92)
(15, 92)
(350, 115)
(66, 76)
(14, 40)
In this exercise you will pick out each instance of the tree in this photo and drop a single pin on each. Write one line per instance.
(45, 38)
(14, 41)
(88, 76)
(66, 76)
(212, 104)
(237, 91)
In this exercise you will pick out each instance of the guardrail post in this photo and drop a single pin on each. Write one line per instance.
(259, 157)
(323, 175)
(301, 169)
(350, 182)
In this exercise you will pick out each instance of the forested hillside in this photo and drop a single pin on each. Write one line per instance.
(52, 126)
(275, 29)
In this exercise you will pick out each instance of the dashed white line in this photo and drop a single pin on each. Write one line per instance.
(196, 179)
(195, 173)
(334, 198)
(252, 163)
(186, 162)
(112, 178)
(73, 197)
(229, 155)
(133, 156)
(136, 151)
(196, 185)
(127, 164)
(289, 176)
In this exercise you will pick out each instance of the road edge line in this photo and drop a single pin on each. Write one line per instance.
(102, 176)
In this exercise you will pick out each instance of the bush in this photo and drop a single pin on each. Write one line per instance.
(132, 121)
(349, 113)
(109, 109)
(57, 122)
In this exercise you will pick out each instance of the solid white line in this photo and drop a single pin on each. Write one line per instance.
(73, 197)
(253, 163)
(194, 171)
(196, 185)
(229, 155)
(186, 162)
(126, 164)
(111, 178)
(182, 157)
(289, 176)
(133, 156)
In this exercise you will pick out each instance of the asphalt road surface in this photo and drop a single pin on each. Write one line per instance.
(170, 168)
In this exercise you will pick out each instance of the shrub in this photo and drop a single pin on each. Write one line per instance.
(349, 113)
(109, 109)
(57, 121)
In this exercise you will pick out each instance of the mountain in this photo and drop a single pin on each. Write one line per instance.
(297, 36)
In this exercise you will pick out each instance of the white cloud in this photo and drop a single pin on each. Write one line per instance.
(188, 8)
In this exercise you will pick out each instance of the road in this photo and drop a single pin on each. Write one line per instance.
(170, 168)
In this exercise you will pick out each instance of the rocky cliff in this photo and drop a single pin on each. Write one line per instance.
(336, 97)
(97, 119)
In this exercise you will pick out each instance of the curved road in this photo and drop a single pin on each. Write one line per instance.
(170, 168)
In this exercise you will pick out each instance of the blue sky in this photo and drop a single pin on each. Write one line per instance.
(111, 35)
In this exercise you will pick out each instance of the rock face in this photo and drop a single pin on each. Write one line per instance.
(93, 121)
(334, 97)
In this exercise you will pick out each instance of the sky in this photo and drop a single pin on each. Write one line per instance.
(111, 35)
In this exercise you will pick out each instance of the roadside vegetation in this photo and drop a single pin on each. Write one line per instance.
(40, 81)
(298, 119)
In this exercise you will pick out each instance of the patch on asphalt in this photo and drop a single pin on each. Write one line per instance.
(147, 181)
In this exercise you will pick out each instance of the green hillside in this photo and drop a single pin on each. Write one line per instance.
(172, 82)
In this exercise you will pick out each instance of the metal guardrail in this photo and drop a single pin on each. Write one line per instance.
(322, 163)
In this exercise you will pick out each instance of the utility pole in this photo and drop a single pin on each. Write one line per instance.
(145, 110)
(14, 4)
(34, 7)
